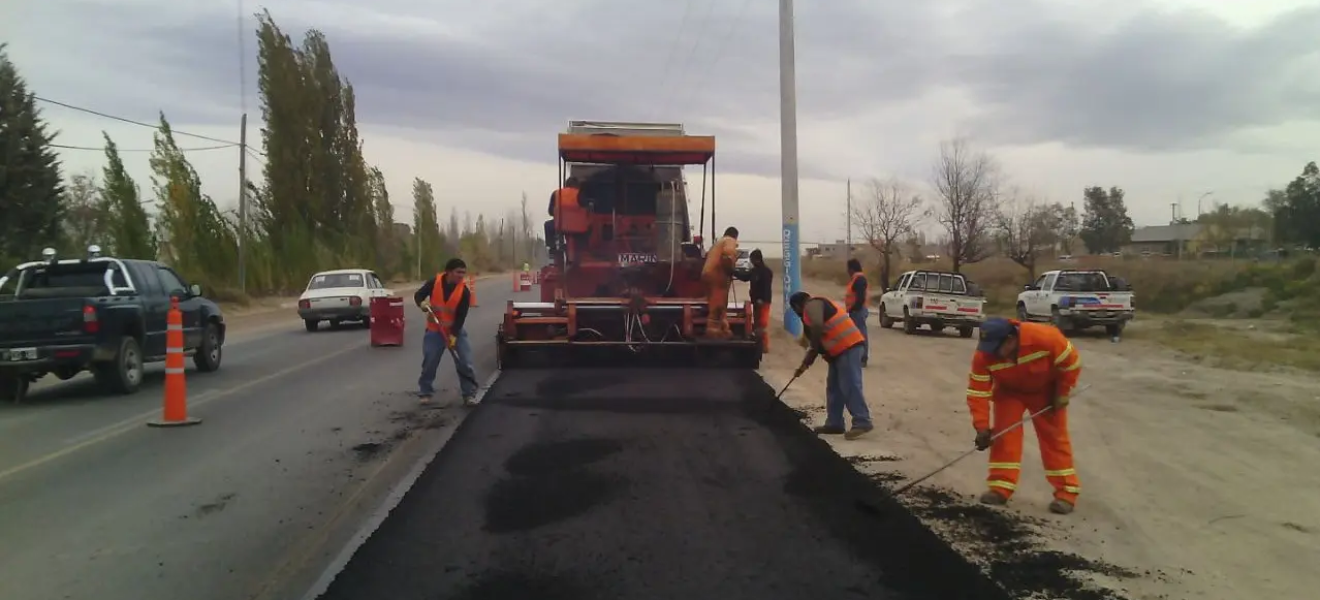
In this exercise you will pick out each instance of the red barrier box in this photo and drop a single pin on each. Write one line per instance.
(387, 321)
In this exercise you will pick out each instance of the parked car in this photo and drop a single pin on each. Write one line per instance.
(743, 264)
(99, 314)
(340, 295)
(937, 299)
(1074, 300)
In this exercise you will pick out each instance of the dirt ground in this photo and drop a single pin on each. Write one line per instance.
(1197, 482)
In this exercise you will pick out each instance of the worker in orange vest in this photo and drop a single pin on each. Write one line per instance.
(855, 301)
(564, 197)
(828, 330)
(1024, 368)
(446, 299)
(717, 275)
(760, 279)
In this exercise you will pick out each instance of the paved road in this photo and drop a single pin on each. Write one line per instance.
(303, 434)
(646, 484)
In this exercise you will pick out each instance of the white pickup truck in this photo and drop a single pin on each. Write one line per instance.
(937, 299)
(1075, 300)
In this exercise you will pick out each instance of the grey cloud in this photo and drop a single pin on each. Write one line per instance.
(1160, 81)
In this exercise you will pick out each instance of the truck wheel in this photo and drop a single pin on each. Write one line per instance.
(123, 375)
(207, 358)
(964, 332)
(311, 324)
(909, 326)
(885, 321)
(1114, 330)
(1022, 312)
(1059, 321)
(14, 388)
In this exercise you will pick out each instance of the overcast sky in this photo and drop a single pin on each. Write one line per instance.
(1168, 99)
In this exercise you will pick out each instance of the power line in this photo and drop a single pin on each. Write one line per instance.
(723, 44)
(95, 149)
(132, 122)
(710, 8)
(669, 58)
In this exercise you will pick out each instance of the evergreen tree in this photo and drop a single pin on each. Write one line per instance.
(128, 227)
(31, 186)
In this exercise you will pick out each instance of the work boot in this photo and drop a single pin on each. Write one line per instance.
(470, 401)
(1061, 507)
(424, 398)
(993, 499)
(829, 430)
(858, 431)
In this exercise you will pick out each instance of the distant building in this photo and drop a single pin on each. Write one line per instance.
(839, 251)
(1195, 239)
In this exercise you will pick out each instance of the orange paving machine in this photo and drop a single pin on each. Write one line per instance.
(624, 281)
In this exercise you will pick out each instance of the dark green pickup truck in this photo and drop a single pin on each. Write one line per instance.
(99, 314)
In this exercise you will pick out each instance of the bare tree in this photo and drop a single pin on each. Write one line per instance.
(887, 218)
(1024, 228)
(966, 181)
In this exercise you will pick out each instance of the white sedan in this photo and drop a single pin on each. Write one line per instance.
(341, 295)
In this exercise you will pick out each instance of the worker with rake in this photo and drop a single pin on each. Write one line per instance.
(828, 330)
(1019, 368)
(445, 299)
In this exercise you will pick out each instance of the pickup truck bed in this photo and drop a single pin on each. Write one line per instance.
(647, 484)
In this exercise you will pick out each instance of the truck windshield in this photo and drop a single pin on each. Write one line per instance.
(336, 280)
(1090, 281)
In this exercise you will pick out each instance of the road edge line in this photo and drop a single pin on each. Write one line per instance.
(391, 501)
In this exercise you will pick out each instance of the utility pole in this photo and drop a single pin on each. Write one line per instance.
(788, 164)
(242, 204)
(1177, 230)
(848, 253)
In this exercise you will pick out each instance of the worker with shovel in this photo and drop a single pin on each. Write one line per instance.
(1019, 368)
(445, 299)
(828, 330)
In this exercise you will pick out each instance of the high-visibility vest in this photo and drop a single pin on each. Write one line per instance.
(445, 309)
(566, 198)
(840, 331)
(850, 299)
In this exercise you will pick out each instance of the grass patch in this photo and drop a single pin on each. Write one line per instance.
(1232, 348)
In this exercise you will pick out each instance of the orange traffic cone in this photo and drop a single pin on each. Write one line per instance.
(175, 413)
(472, 290)
(516, 284)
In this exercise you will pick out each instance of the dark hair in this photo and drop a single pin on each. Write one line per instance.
(854, 265)
(798, 299)
(731, 232)
(455, 263)
(756, 254)
(571, 182)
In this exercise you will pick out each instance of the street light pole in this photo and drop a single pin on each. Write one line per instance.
(788, 164)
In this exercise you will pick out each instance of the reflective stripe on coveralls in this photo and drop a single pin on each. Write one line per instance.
(840, 331)
(850, 298)
(446, 310)
(1047, 365)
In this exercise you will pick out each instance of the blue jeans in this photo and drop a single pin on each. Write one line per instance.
(434, 350)
(843, 389)
(859, 319)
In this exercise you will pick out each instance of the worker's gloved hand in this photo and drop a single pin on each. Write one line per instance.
(1059, 402)
(425, 305)
(983, 439)
(452, 341)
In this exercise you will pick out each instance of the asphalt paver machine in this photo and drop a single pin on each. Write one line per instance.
(624, 283)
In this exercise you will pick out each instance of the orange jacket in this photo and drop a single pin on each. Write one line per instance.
(839, 332)
(850, 299)
(445, 309)
(1047, 366)
(726, 248)
(565, 198)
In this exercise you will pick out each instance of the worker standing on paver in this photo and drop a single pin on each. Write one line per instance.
(827, 329)
(1023, 368)
(717, 275)
(760, 280)
(446, 299)
(855, 300)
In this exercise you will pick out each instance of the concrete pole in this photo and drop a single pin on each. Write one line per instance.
(242, 204)
(788, 164)
(848, 252)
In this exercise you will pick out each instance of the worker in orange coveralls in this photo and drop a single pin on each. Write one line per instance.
(717, 275)
(1023, 368)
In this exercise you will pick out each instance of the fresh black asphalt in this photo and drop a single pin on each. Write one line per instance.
(647, 484)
